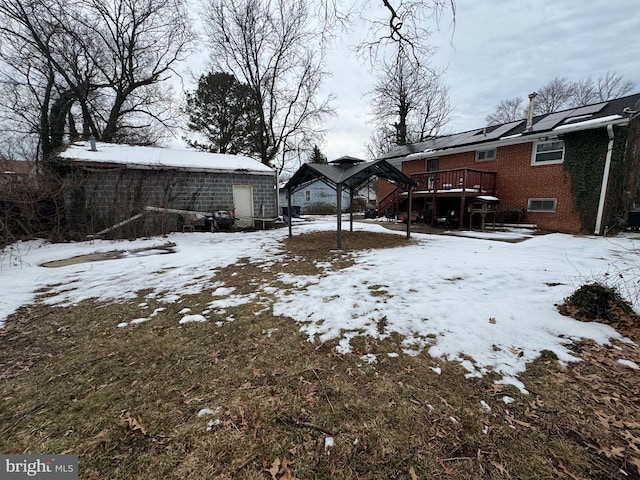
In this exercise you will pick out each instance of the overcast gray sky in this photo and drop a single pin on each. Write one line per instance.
(500, 49)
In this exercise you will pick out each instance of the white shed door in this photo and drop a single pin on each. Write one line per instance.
(243, 203)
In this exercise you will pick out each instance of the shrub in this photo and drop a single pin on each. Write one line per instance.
(595, 301)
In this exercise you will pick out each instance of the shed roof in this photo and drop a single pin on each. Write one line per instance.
(156, 158)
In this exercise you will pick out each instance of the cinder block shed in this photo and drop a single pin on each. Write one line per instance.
(107, 184)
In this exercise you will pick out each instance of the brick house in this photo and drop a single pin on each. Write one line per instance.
(546, 170)
(105, 184)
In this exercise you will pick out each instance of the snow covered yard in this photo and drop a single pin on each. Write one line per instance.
(490, 305)
(250, 355)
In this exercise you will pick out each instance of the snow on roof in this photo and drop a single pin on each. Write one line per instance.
(158, 158)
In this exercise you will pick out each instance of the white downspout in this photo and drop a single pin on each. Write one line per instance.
(605, 181)
(277, 194)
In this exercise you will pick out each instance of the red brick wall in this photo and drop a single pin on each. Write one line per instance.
(384, 189)
(414, 166)
(516, 181)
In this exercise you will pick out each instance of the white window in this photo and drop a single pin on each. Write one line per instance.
(542, 205)
(307, 195)
(548, 152)
(484, 155)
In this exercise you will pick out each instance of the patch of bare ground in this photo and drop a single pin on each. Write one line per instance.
(305, 251)
(246, 396)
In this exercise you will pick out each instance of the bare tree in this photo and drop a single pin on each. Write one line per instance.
(29, 80)
(612, 85)
(556, 95)
(272, 47)
(101, 61)
(560, 94)
(381, 141)
(608, 86)
(409, 97)
(507, 111)
(140, 42)
(584, 92)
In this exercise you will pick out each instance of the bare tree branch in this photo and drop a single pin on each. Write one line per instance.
(507, 111)
(272, 47)
(405, 22)
(560, 93)
(409, 98)
(99, 61)
(611, 85)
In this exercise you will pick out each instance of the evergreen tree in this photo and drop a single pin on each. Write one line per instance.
(317, 156)
(223, 109)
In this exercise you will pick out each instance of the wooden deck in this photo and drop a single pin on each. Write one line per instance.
(441, 184)
(459, 182)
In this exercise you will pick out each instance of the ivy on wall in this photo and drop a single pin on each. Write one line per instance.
(617, 203)
(631, 199)
(584, 160)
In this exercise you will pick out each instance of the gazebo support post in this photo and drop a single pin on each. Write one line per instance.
(463, 200)
(462, 207)
(434, 213)
(351, 209)
(349, 172)
(289, 213)
(409, 208)
(339, 214)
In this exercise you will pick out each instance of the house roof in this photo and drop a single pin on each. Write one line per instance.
(596, 115)
(138, 157)
(347, 173)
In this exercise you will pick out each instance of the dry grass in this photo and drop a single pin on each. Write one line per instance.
(127, 399)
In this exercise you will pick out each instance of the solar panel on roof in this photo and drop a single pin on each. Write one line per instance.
(588, 109)
(461, 138)
(443, 142)
(426, 145)
(501, 130)
(550, 121)
(554, 119)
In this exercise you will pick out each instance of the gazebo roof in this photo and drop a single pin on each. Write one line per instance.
(348, 172)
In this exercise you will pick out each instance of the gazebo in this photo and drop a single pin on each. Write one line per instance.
(347, 173)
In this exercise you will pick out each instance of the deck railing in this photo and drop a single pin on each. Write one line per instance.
(461, 181)
(389, 203)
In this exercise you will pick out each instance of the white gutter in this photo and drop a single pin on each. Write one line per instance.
(605, 181)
